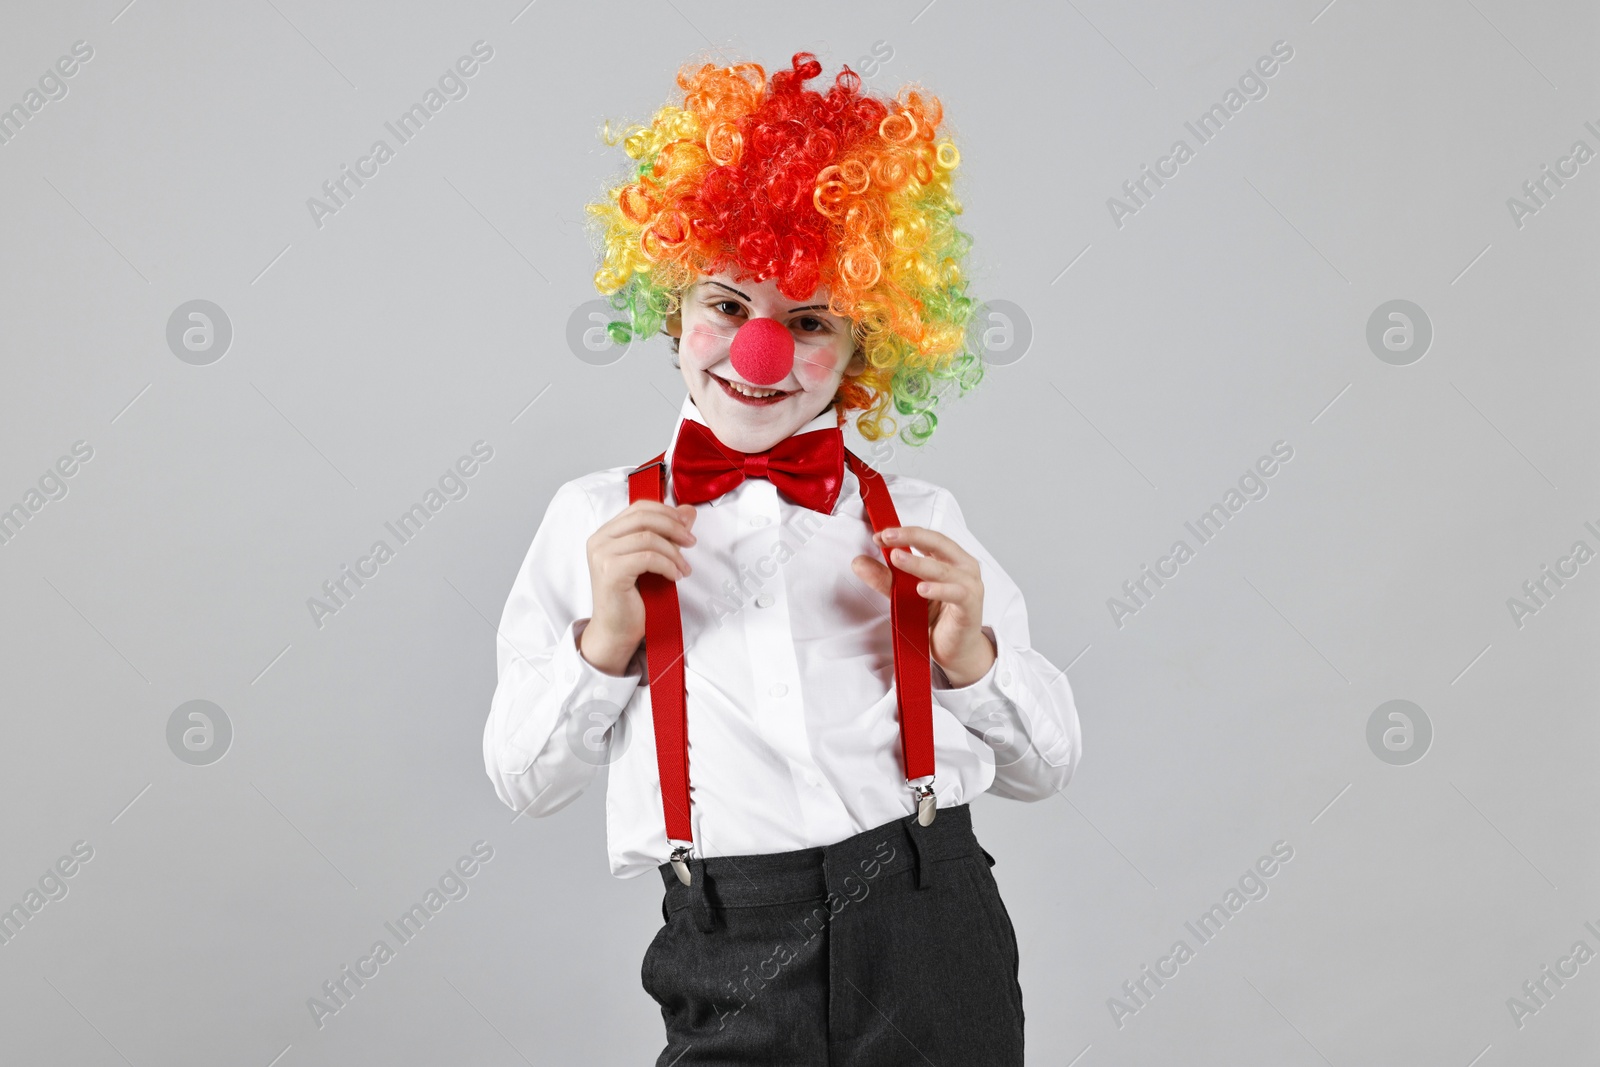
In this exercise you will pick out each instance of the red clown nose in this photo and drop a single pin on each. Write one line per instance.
(762, 351)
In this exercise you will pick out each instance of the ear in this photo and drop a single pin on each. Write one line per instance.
(674, 324)
(857, 364)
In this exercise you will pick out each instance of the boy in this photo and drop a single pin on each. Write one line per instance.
(795, 730)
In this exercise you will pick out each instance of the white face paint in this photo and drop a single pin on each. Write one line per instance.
(713, 310)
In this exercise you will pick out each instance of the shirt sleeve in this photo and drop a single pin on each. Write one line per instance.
(1023, 707)
(548, 722)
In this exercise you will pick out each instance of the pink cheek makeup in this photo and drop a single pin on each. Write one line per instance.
(701, 343)
(813, 370)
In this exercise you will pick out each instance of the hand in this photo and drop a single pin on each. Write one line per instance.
(953, 585)
(644, 536)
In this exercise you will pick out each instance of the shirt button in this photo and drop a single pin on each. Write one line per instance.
(811, 779)
(759, 520)
(764, 600)
(1005, 677)
(779, 690)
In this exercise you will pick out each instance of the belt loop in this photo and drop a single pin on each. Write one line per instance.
(921, 864)
(698, 908)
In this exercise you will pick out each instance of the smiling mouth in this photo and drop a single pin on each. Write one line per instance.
(746, 394)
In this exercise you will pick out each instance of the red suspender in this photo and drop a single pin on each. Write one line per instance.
(908, 616)
(663, 647)
(663, 624)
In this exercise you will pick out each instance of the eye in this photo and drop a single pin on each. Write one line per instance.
(718, 305)
(819, 324)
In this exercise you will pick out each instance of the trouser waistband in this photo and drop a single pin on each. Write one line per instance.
(762, 879)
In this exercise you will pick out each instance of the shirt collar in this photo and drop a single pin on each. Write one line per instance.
(827, 419)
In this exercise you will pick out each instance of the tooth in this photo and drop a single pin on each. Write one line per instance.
(750, 392)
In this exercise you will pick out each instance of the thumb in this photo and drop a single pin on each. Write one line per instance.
(873, 572)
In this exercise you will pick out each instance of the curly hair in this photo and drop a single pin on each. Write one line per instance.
(770, 179)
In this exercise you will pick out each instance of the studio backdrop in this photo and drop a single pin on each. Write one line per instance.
(1285, 431)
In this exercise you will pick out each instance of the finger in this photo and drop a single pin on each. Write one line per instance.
(683, 513)
(929, 541)
(668, 523)
(650, 541)
(924, 566)
(944, 592)
(874, 573)
(653, 506)
(636, 563)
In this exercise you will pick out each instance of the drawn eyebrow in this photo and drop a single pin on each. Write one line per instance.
(808, 307)
(730, 289)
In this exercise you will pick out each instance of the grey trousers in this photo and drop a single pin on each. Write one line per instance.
(890, 947)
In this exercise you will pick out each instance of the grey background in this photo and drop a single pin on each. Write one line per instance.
(430, 313)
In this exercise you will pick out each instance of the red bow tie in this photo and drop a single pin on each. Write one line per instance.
(807, 468)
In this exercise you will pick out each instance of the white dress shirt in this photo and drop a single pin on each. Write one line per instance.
(793, 728)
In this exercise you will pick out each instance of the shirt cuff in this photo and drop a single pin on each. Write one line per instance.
(590, 683)
(968, 701)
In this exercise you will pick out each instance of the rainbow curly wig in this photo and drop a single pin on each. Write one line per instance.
(774, 180)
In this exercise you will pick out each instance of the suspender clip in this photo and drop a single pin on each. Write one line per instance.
(927, 803)
(680, 863)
